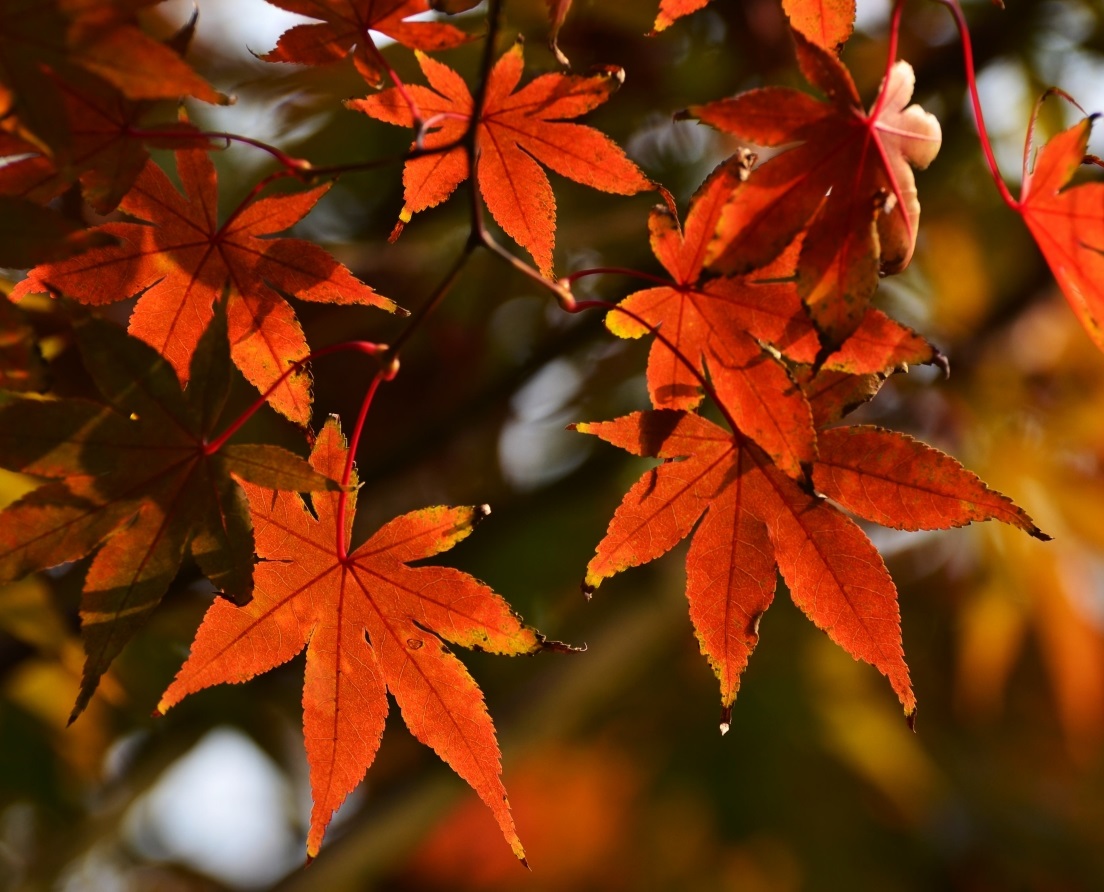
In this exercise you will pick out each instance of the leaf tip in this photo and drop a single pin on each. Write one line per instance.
(561, 647)
(87, 689)
(1039, 534)
(587, 588)
(726, 719)
(910, 717)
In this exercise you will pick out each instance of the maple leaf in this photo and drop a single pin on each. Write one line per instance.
(670, 11)
(832, 395)
(850, 173)
(102, 147)
(102, 150)
(1068, 224)
(132, 477)
(305, 595)
(827, 23)
(346, 28)
(74, 39)
(718, 323)
(516, 133)
(899, 482)
(179, 259)
(754, 518)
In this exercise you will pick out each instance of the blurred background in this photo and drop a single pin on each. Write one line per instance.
(617, 773)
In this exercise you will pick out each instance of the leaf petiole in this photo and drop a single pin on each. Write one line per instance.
(975, 101)
(616, 271)
(212, 446)
(574, 306)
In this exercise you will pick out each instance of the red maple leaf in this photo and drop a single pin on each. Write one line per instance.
(180, 259)
(849, 173)
(346, 28)
(306, 596)
(748, 518)
(131, 479)
(516, 133)
(718, 323)
(1068, 224)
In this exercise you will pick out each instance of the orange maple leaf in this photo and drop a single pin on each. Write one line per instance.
(180, 259)
(670, 11)
(306, 596)
(827, 23)
(850, 173)
(346, 28)
(754, 519)
(131, 479)
(516, 133)
(1068, 224)
(717, 324)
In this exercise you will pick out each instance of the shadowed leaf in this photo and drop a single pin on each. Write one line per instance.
(130, 477)
(180, 259)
